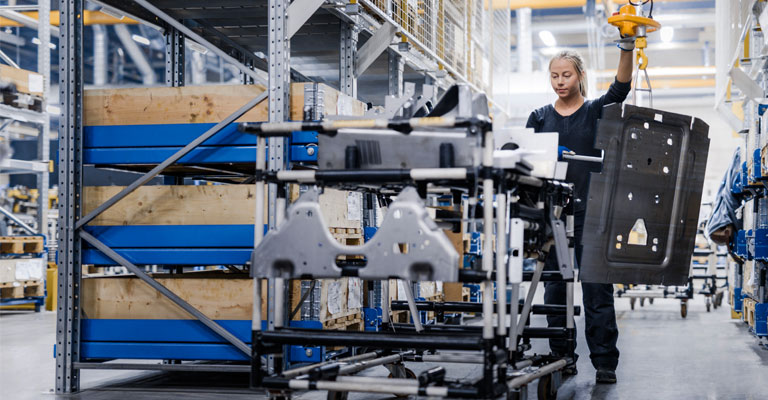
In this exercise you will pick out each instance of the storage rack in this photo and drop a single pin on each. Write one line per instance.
(39, 119)
(236, 31)
(743, 91)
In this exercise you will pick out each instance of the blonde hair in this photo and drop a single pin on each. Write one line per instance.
(578, 65)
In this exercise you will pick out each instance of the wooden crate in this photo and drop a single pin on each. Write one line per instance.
(21, 244)
(174, 205)
(201, 205)
(198, 104)
(218, 295)
(26, 81)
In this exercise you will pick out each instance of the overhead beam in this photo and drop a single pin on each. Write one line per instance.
(90, 17)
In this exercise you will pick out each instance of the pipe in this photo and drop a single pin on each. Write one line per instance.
(100, 49)
(528, 378)
(138, 57)
(412, 305)
(291, 373)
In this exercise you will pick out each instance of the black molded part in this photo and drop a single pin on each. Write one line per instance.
(653, 170)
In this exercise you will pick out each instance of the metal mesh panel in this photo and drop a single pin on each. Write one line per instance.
(501, 55)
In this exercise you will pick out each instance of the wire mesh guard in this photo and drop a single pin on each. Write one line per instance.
(472, 37)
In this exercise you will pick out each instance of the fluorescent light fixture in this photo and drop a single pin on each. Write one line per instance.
(667, 33)
(548, 38)
(140, 39)
(36, 41)
(194, 46)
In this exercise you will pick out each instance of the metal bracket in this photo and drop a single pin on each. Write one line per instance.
(408, 245)
(375, 45)
(561, 249)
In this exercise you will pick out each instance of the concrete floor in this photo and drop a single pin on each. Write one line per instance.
(663, 356)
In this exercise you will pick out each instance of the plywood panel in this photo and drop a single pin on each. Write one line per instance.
(175, 205)
(200, 205)
(197, 104)
(219, 297)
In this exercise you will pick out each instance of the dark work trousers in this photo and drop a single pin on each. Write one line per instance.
(600, 316)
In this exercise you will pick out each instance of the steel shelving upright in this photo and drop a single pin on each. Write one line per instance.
(289, 47)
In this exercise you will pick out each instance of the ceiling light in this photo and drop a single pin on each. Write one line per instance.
(667, 33)
(548, 38)
(140, 39)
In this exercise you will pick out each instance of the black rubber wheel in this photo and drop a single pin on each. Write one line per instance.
(544, 390)
(650, 300)
(683, 309)
(337, 395)
(632, 303)
(709, 304)
(642, 301)
(408, 374)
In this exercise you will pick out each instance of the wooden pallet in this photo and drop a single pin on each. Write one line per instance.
(350, 321)
(21, 289)
(21, 244)
(400, 317)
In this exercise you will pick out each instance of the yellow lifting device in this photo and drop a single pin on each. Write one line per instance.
(637, 27)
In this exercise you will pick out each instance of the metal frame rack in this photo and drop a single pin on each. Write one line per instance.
(297, 248)
(744, 85)
(39, 166)
(227, 30)
(41, 121)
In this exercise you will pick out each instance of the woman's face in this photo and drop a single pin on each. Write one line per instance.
(564, 78)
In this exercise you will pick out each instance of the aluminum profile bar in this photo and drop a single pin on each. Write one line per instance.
(218, 329)
(170, 160)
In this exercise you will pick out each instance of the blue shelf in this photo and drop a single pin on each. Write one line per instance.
(164, 339)
(173, 244)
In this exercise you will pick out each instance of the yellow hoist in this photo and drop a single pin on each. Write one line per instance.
(637, 27)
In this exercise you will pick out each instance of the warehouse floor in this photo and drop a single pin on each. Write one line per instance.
(663, 356)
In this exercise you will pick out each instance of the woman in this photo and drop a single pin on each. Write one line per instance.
(575, 119)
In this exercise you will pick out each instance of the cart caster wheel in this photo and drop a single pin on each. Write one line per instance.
(709, 305)
(408, 374)
(642, 301)
(632, 303)
(521, 394)
(545, 391)
(650, 300)
(338, 395)
(683, 310)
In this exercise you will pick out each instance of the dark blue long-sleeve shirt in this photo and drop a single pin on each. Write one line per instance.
(577, 132)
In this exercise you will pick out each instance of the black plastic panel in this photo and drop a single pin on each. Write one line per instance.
(653, 171)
